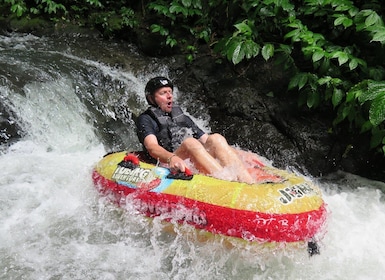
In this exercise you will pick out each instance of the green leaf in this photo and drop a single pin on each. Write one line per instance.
(293, 83)
(296, 24)
(299, 80)
(250, 48)
(367, 95)
(341, 6)
(294, 35)
(231, 45)
(353, 11)
(18, 9)
(343, 58)
(285, 48)
(377, 137)
(377, 110)
(308, 36)
(353, 64)
(346, 111)
(176, 9)
(339, 118)
(374, 90)
(155, 28)
(339, 20)
(325, 65)
(171, 41)
(352, 95)
(243, 28)
(267, 51)
(312, 99)
(324, 80)
(372, 19)
(379, 36)
(347, 22)
(303, 78)
(337, 97)
(366, 127)
(376, 86)
(376, 73)
(238, 54)
(186, 3)
(287, 6)
(159, 8)
(317, 55)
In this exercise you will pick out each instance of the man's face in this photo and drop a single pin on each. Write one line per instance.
(163, 98)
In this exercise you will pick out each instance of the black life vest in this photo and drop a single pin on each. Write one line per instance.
(173, 128)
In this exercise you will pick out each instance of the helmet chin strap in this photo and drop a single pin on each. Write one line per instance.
(151, 100)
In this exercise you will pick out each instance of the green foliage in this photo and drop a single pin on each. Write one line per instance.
(20, 7)
(360, 102)
(364, 106)
(241, 44)
(187, 16)
(112, 19)
(95, 3)
(267, 51)
(51, 7)
(342, 44)
(128, 17)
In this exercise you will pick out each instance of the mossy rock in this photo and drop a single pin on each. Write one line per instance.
(28, 25)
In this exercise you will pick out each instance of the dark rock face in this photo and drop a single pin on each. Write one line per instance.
(9, 130)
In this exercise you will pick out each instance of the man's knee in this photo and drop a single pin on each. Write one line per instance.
(215, 139)
(191, 144)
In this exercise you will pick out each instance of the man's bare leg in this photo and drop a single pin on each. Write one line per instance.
(218, 147)
(196, 152)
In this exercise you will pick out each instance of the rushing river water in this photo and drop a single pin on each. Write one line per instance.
(54, 225)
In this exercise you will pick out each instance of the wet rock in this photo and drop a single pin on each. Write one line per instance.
(9, 130)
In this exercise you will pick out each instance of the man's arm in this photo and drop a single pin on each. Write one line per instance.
(155, 150)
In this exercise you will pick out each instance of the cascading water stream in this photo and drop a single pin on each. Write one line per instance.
(70, 110)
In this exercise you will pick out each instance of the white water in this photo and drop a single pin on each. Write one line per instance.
(54, 225)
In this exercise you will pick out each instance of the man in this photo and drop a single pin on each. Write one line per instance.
(171, 137)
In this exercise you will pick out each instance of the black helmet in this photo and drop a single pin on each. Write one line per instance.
(157, 83)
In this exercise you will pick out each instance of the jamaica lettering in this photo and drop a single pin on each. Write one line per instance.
(133, 176)
(289, 194)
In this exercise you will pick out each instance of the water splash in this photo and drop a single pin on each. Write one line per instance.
(51, 115)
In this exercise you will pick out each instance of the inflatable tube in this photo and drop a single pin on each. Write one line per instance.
(281, 207)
